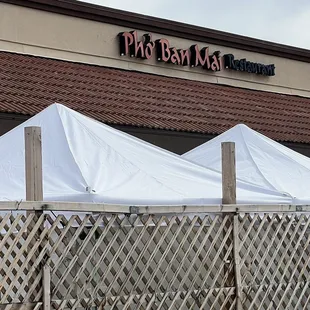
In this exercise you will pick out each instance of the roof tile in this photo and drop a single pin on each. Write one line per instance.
(29, 84)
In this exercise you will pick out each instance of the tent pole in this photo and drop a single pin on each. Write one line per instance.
(229, 188)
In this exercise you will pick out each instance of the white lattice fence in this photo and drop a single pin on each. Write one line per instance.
(20, 261)
(155, 261)
(119, 262)
(275, 257)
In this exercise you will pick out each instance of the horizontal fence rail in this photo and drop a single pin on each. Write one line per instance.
(231, 257)
(144, 209)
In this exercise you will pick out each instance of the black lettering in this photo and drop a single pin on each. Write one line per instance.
(254, 67)
(242, 64)
(248, 67)
(259, 68)
(229, 61)
(264, 70)
(237, 65)
(269, 70)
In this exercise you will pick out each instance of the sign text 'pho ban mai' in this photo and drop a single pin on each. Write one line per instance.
(146, 48)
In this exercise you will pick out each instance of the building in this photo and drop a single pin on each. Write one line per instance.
(169, 83)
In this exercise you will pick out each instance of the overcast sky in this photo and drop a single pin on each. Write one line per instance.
(282, 21)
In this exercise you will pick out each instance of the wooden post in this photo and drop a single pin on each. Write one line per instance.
(34, 192)
(229, 197)
(237, 264)
(228, 173)
(46, 287)
(33, 161)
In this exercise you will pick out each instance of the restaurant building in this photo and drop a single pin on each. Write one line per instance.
(172, 84)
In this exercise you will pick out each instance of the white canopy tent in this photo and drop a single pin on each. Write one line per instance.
(87, 161)
(259, 160)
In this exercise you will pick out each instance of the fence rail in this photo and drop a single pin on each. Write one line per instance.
(145, 209)
(244, 257)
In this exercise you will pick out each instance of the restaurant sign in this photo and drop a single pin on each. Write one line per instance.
(193, 56)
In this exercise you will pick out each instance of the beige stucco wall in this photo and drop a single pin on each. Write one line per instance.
(58, 36)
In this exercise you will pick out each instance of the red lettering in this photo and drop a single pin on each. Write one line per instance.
(193, 56)
(163, 51)
(175, 58)
(149, 50)
(215, 66)
(221, 60)
(139, 48)
(149, 46)
(200, 58)
(126, 40)
(184, 55)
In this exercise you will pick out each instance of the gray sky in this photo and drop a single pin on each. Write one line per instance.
(282, 21)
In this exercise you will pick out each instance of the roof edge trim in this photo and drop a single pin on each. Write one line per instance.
(166, 27)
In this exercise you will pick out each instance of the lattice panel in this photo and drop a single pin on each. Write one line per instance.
(21, 239)
(119, 262)
(275, 256)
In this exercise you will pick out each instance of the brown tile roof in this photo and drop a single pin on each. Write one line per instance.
(28, 84)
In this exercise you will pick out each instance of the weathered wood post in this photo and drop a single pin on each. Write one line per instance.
(46, 287)
(236, 246)
(229, 196)
(228, 173)
(34, 191)
(33, 161)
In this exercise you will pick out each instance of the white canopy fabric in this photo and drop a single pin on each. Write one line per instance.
(80, 153)
(259, 160)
